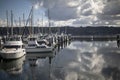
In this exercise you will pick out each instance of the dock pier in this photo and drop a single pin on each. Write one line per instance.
(94, 38)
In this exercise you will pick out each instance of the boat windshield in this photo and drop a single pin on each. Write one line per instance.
(13, 39)
(41, 42)
(32, 39)
(9, 46)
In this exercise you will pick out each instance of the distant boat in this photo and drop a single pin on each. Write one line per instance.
(34, 47)
(47, 39)
(12, 48)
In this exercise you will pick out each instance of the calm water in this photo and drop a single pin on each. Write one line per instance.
(81, 60)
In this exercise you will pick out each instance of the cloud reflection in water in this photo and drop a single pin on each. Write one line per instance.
(86, 60)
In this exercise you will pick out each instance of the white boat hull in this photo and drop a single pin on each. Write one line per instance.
(12, 54)
(38, 50)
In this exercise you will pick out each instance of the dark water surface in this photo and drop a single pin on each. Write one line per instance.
(81, 60)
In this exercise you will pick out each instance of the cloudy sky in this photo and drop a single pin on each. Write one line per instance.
(65, 12)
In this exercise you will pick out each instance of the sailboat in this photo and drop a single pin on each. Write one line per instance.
(33, 46)
(13, 46)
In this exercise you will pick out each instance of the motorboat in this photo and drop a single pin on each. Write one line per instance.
(34, 47)
(12, 48)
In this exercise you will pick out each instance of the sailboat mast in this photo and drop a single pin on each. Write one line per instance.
(49, 25)
(31, 21)
(7, 22)
(31, 17)
(42, 24)
(19, 25)
(28, 21)
(38, 29)
(11, 23)
(23, 19)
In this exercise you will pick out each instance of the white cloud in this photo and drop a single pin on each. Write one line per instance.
(41, 23)
(80, 12)
(63, 23)
(61, 9)
(77, 12)
(83, 21)
(3, 23)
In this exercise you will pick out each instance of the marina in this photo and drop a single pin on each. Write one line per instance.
(59, 40)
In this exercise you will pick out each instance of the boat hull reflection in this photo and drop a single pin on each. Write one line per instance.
(12, 66)
(33, 57)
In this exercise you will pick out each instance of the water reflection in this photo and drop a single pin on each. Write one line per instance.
(93, 60)
(34, 57)
(12, 67)
(88, 61)
(111, 69)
